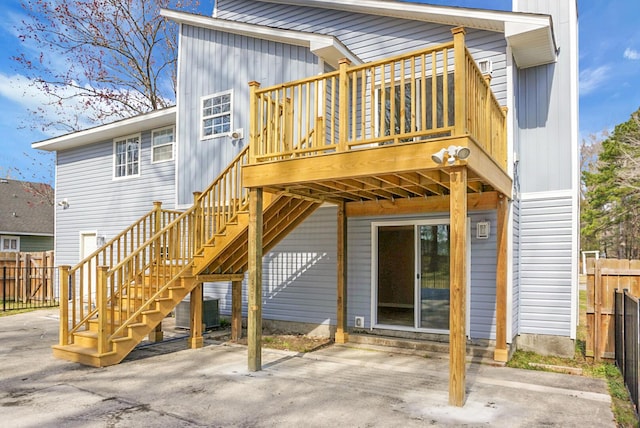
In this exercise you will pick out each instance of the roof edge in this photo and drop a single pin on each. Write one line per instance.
(326, 47)
(153, 119)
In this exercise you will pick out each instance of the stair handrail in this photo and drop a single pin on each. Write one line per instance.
(223, 199)
(82, 292)
(169, 252)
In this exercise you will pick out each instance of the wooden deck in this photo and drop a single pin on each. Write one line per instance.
(386, 138)
(368, 133)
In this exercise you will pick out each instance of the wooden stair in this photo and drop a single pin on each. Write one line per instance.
(226, 252)
(84, 346)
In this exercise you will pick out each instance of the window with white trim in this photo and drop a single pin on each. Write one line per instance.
(162, 141)
(216, 115)
(126, 153)
(10, 243)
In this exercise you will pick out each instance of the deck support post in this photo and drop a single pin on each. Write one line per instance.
(64, 304)
(343, 100)
(254, 321)
(156, 335)
(195, 312)
(341, 316)
(236, 310)
(458, 278)
(501, 353)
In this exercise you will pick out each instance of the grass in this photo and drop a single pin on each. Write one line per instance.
(623, 409)
(15, 311)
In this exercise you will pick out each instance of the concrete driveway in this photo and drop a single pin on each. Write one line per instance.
(168, 385)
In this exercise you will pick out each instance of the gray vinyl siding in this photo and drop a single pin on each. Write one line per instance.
(370, 37)
(483, 272)
(299, 275)
(212, 62)
(515, 295)
(98, 202)
(545, 265)
(544, 108)
(36, 243)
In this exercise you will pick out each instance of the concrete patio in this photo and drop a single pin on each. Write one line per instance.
(168, 385)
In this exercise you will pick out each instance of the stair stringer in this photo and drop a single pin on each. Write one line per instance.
(227, 253)
(137, 327)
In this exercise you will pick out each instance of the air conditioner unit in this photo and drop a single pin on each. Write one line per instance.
(210, 313)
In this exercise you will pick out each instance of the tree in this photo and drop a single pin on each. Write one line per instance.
(611, 209)
(99, 60)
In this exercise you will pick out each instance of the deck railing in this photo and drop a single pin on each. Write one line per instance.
(80, 290)
(406, 98)
(125, 276)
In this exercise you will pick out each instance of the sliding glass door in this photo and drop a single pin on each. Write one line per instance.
(434, 276)
(411, 275)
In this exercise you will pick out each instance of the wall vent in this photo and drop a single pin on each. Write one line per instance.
(359, 322)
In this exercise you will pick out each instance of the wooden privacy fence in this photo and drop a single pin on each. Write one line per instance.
(27, 277)
(604, 277)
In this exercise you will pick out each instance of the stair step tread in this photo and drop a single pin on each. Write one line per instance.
(83, 350)
(151, 312)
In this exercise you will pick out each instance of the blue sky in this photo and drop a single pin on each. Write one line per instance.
(609, 78)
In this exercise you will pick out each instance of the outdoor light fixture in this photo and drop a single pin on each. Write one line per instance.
(453, 153)
(439, 156)
(64, 204)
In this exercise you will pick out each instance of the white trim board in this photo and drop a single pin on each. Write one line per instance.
(328, 48)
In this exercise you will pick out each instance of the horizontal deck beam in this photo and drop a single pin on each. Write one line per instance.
(475, 202)
(353, 164)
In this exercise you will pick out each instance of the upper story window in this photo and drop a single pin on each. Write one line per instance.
(127, 156)
(9, 243)
(162, 141)
(216, 115)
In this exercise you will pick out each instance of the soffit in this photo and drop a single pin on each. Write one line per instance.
(152, 120)
(529, 35)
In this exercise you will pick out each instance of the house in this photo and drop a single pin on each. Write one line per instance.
(397, 168)
(26, 216)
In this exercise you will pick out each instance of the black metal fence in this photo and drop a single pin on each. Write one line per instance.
(28, 287)
(627, 316)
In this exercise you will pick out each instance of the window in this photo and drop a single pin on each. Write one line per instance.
(10, 243)
(216, 115)
(162, 145)
(127, 156)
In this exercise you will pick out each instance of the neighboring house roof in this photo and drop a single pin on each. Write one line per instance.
(24, 210)
(154, 119)
(329, 48)
(529, 35)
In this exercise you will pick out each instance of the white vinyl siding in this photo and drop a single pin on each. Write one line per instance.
(162, 141)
